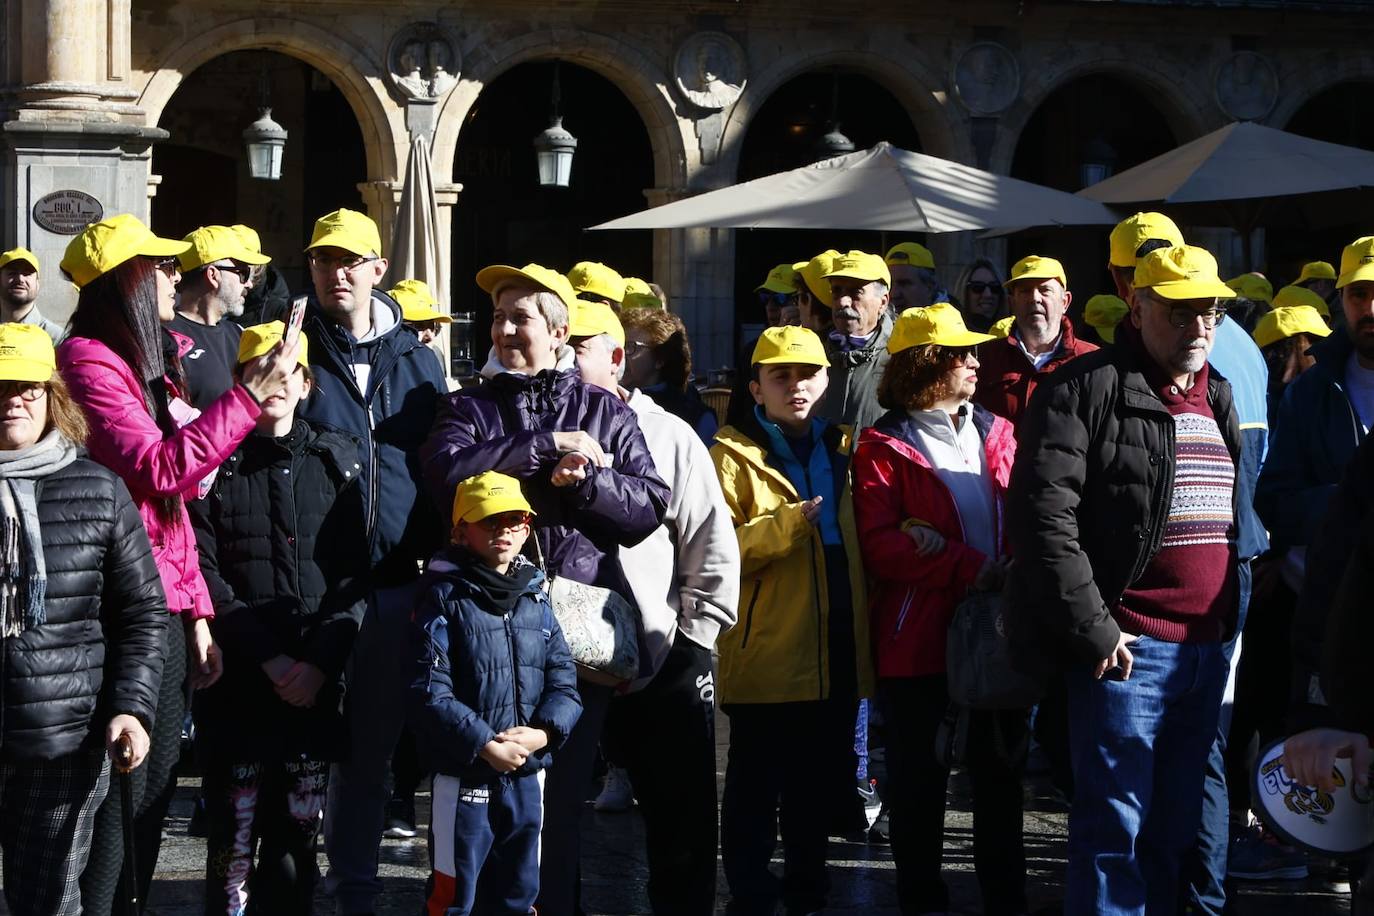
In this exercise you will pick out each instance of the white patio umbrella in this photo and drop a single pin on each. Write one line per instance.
(883, 188)
(415, 253)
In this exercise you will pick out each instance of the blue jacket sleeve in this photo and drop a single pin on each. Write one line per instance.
(460, 445)
(1289, 497)
(626, 502)
(560, 706)
(442, 721)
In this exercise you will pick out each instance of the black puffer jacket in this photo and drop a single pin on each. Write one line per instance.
(1089, 498)
(100, 652)
(285, 555)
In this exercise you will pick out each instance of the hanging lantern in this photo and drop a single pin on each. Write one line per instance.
(266, 142)
(554, 149)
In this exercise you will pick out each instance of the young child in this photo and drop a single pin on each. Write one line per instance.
(493, 692)
(281, 543)
(793, 667)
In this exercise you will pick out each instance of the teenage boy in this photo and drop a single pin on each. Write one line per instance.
(794, 666)
(493, 692)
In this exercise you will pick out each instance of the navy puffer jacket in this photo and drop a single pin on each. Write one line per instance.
(478, 671)
(507, 425)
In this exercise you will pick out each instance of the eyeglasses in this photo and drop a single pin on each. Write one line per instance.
(505, 521)
(978, 286)
(168, 266)
(960, 355)
(242, 271)
(29, 391)
(329, 264)
(768, 297)
(1180, 316)
(635, 346)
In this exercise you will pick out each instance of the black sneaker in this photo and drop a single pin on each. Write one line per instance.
(400, 819)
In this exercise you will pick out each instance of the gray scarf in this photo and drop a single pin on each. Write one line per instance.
(23, 573)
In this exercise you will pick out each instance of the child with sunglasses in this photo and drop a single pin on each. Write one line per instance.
(493, 692)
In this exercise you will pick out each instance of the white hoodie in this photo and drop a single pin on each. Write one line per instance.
(685, 576)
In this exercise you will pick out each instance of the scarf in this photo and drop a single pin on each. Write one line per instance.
(503, 590)
(23, 572)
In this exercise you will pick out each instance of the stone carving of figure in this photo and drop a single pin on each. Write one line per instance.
(409, 75)
(712, 77)
(425, 63)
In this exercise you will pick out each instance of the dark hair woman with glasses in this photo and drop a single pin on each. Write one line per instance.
(981, 297)
(930, 478)
(122, 368)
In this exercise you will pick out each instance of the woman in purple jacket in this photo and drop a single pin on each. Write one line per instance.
(583, 465)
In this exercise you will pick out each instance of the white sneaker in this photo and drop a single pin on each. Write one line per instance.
(616, 794)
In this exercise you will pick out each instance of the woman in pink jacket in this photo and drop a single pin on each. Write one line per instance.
(117, 365)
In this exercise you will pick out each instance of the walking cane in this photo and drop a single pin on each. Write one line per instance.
(126, 810)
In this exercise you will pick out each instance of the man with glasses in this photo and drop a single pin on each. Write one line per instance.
(215, 278)
(377, 382)
(1041, 338)
(1122, 517)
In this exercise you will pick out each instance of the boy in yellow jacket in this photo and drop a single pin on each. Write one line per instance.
(793, 667)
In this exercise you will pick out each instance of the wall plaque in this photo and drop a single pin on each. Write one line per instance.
(67, 212)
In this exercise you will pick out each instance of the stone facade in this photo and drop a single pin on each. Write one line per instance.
(88, 81)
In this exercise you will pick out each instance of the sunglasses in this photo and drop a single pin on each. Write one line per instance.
(242, 271)
(980, 287)
(168, 266)
(505, 521)
(959, 355)
(768, 297)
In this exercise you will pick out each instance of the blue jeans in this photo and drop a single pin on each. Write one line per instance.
(1139, 748)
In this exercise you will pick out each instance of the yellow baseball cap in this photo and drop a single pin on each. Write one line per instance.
(789, 344)
(939, 324)
(215, 243)
(497, 277)
(1252, 286)
(1104, 312)
(19, 254)
(347, 229)
(249, 236)
(813, 275)
(1290, 296)
(1316, 270)
(261, 338)
(1286, 320)
(588, 319)
(1034, 267)
(781, 279)
(910, 253)
(1002, 327)
(488, 493)
(859, 265)
(1357, 262)
(417, 302)
(26, 353)
(105, 245)
(1136, 230)
(598, 279)
(1181, 272)
(640, 295)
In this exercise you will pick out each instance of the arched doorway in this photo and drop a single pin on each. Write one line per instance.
(204, 167)
(504, 216)
(784, 134)
(1085, 130)
(1344, 114)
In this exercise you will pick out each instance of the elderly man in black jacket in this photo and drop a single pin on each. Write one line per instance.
(1123, 525)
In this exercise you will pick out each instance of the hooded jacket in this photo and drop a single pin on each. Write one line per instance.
(852, 396)
(1007, 378)
(390, 417)
(507, 423)
(913, 597)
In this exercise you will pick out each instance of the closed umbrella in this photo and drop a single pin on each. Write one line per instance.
(415, 252)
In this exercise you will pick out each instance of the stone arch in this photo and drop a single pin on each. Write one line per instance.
(351, 68)
(1308, 82)
(640, 77)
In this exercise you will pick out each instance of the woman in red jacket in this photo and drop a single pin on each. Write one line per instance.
(929, 480)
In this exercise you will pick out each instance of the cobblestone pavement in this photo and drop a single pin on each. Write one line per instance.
(614, 870)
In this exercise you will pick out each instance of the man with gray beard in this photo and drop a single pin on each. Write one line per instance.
(215, 277)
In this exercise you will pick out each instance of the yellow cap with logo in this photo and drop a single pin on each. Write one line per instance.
(217, 243)
(779, 280)
(1181, 272)
(1252, 286)
(1286, 320)
(347, 229)
(497, 277)
(261, 338)
(813, 275)
(417, 302)
(1104, 312)
(103, 246)
(860, 265)
(1290, 296)
(1316, 270)
(911, 253)
(1002, 327)
(597, 279)
(789, 344)
(1136, 230)
(1035, 267)
(939, 324)
(486, 494)
(588, 319)
(26, 353)
(19, 254)
(1357, 262)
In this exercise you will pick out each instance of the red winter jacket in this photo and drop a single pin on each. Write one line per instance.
(1006, 377)
(912, 598)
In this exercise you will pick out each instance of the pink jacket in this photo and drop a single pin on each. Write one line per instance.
(153, 465)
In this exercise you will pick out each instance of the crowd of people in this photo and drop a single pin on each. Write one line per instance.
(354, 578)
